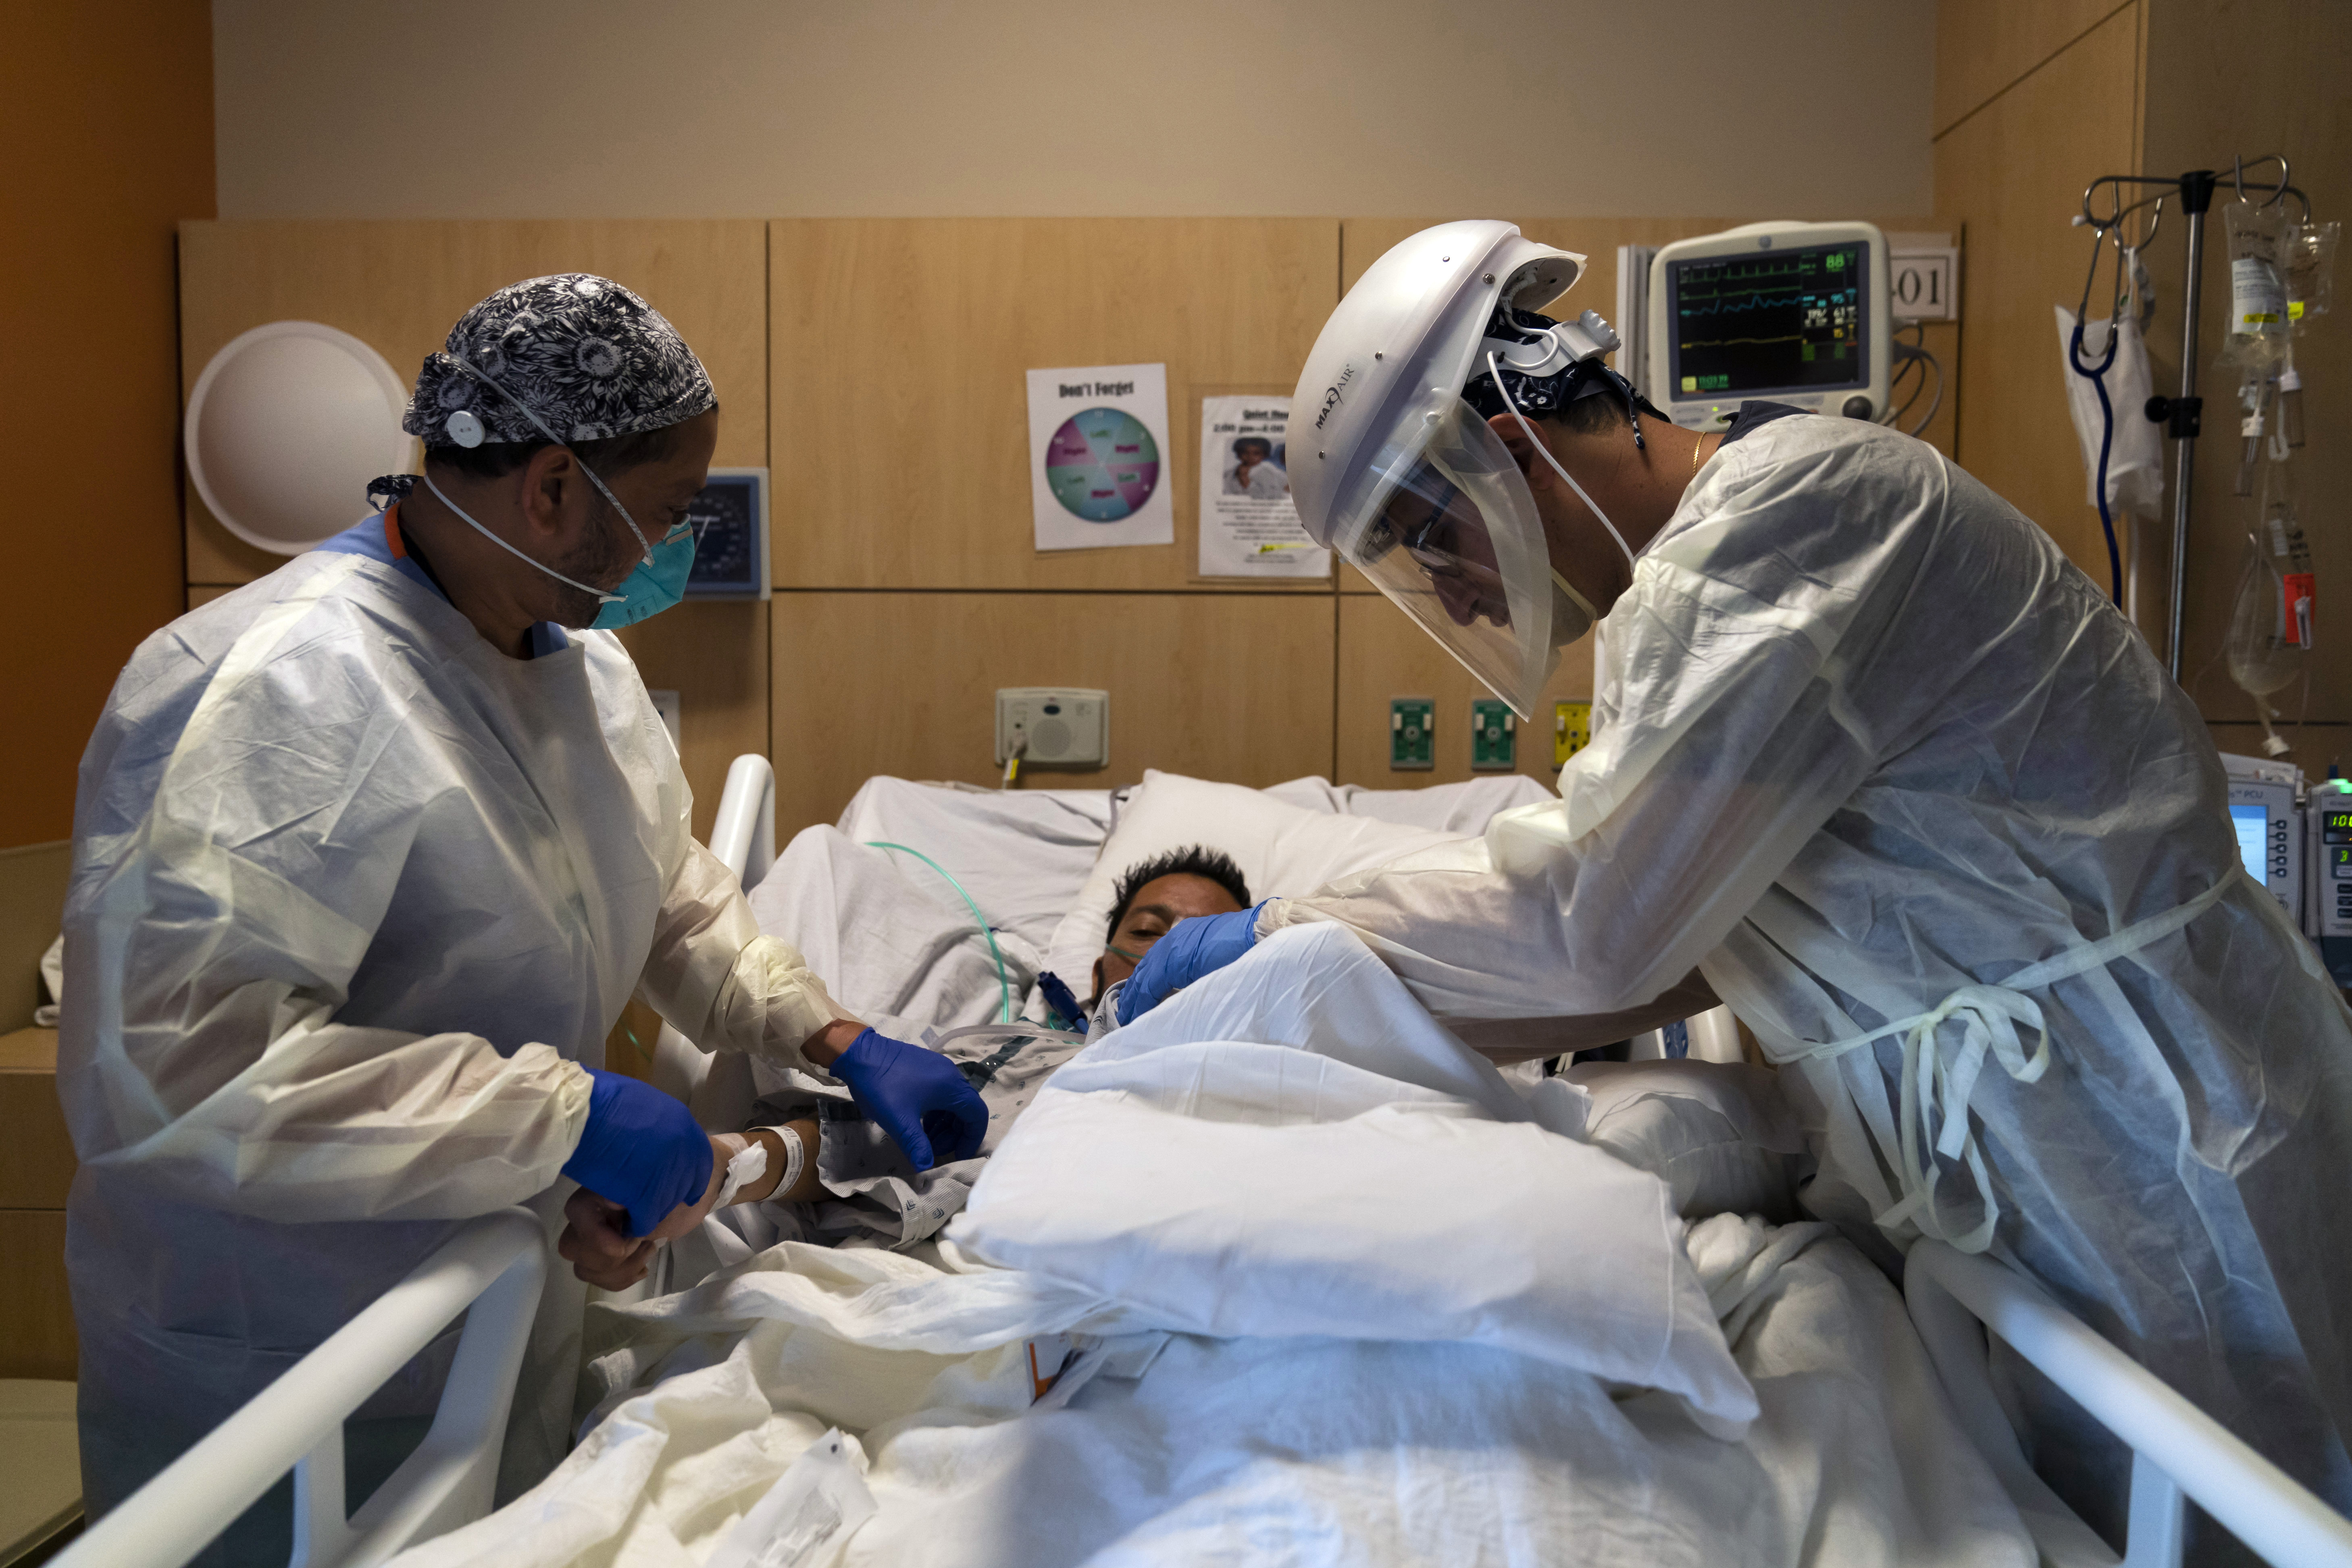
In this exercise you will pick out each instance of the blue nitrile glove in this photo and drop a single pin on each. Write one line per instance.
(1199, 945)
(917, 1095)
(641, 1149)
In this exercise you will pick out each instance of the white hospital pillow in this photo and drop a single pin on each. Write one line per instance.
(1465, 807)
(1284, 851)
(1023, 855)
(1718, 1134)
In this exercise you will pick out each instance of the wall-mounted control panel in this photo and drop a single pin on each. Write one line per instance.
(1412, 733)
(1054, 726)
(1572, 730)
(1494, 736)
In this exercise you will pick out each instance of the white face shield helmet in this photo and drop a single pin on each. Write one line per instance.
(1393, 470)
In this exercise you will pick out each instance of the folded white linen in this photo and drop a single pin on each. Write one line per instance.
(891, 939)
(1465, 807)
(1257, 1164)
(1022, 854)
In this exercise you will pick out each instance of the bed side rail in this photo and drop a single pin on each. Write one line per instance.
(744, 833)
(2176, 1447)
(497, 1264)
(743, 836)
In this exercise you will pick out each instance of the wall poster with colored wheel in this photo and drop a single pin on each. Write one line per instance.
(1098, 457)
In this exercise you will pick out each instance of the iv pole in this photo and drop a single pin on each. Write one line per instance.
(2181, 416)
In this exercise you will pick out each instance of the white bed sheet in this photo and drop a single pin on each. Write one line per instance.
(1162, 1446)
(1022, 854)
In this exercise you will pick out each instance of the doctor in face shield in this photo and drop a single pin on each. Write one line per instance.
(369, 856)
(1876, 765)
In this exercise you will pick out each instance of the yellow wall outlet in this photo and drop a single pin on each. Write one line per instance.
(1572, 730)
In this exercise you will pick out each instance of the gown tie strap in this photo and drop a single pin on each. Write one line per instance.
(1938, 1080)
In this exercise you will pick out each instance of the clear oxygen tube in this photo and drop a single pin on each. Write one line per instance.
(2272, 626)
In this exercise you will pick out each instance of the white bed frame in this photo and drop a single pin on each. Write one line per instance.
(497, 1264)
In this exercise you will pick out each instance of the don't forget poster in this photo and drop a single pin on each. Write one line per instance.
(1098, 457)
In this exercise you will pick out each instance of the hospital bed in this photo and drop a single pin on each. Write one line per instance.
(492, 1271)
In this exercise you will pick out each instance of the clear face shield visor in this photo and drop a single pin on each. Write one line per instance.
(1443, 523)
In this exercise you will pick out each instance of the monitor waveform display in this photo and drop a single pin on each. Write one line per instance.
(1770, 321)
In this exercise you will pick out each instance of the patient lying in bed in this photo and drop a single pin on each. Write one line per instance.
(1155, 895)
(856, 1188)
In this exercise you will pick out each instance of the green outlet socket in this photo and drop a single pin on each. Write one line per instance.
(1494, 736)
(1412, 744)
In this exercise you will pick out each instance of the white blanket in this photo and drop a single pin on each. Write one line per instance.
(1452, 1362)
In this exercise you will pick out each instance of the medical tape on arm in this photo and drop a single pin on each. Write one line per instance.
(751, 1163)
(1938, 1084)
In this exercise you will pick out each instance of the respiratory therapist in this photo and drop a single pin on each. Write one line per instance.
(1873, 764)
(369, 855)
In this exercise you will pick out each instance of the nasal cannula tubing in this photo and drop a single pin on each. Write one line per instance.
(1004, 984)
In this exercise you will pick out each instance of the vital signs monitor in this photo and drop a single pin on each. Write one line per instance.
(1790, 312)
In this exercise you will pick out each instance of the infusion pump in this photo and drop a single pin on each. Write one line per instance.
(1787, 312)
(2327, 862)
(2298, 844)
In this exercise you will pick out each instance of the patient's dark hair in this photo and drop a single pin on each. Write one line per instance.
(1193, 861)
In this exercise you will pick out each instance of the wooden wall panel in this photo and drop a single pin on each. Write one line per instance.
(2015, 172)
(714, 654)
(33, 878)
(36, 1331)
(110, 110)
(1985, 45)
(1234, 686)
(900, 401)
(1363, 241)
(1382, 654)
(399, 286)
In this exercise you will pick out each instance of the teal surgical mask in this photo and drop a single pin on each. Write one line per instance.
(658, 583)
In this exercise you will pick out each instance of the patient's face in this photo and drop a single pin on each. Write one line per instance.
(1158, 904)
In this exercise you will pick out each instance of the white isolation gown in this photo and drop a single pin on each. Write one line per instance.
(1865, 739)
(353, 894)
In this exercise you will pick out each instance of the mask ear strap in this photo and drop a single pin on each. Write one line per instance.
(602, 598)
(645, 549)
(1513, 404)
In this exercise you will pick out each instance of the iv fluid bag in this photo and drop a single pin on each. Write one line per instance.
(2260, 239)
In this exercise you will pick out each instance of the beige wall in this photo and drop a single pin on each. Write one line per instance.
(754, 108)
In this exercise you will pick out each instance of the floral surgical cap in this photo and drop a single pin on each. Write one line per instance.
(586, 355)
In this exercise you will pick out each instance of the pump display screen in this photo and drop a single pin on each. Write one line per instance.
(1769, 321)
(2254, 824)
(2336, 825)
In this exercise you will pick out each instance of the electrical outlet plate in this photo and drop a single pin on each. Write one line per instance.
(1572, 730)
(1065, 726)
(1494, 736)
(1412, 744)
